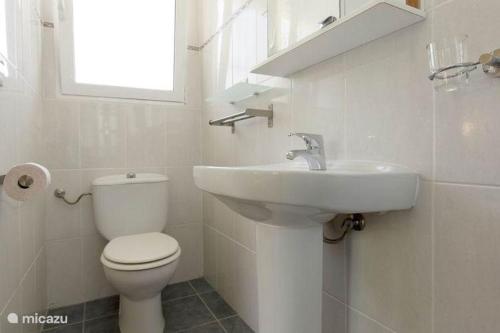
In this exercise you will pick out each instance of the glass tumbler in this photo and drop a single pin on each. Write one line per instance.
(448, 63)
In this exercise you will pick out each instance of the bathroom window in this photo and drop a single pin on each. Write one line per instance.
(123, 48)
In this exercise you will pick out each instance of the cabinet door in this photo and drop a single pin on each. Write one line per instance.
(292, 20)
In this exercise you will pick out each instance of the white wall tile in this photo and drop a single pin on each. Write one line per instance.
(245, 232)
(29, 299)
(64, 272)
(245, 298)
(465, 131)
(210, 255)
(10, 253)
(190, 240)
(41, 281)
(61, 134)
(95, 284)
(183, 143)
(225, 264)
(184, 202)
(357, 322)
(224, 218)
(103, 135)
(318, 104)
(31, 225)
(62, 220)
(29, 128)
(467, 287)
(334, 315)
(334, 263)
(389, 267)
(389, 117)
(14, 306)
(146, 136)
(8, 110)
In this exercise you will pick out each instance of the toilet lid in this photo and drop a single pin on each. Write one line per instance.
(141, 248)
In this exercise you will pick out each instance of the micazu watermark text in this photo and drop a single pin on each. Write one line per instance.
(36, 318)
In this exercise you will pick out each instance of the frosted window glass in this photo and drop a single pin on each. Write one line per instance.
(125, 43)
(3, 38)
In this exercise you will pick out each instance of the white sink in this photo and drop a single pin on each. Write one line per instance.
(291, 194)
(289, 202)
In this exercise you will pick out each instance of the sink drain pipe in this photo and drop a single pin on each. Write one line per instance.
(354, 222)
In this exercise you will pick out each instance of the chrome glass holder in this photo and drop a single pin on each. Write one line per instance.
(490, 63)
(466, 68)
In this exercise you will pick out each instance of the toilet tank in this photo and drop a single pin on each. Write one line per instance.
(130, 204)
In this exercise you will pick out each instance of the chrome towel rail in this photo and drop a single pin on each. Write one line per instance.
(247, 114)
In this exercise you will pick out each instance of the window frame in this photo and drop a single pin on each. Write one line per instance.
(69, 86)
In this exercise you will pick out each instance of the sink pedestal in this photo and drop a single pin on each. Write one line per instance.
(290, 277)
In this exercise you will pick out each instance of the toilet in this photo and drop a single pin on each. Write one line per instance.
(139, 260)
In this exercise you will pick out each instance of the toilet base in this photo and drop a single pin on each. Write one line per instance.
(141, 316)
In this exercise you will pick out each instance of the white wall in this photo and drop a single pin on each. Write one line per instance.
(22, 250)
(431, 269)
(91, 137)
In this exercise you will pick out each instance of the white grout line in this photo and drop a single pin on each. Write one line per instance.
(229, 238)
(23, 277)
(371, 319)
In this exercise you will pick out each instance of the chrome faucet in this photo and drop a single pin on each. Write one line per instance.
(314, 153)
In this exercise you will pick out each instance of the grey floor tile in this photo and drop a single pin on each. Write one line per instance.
(185, 313)
(102, 307)
(76, 328)
(235, 325)
(201, 285)
(177, 290)
(73, 312)
(107, 324)
(210, 328)
(217, 305)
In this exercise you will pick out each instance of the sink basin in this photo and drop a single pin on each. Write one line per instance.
(292, 194)
(289, 203)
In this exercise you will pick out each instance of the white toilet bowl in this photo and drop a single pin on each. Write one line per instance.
(139, 267)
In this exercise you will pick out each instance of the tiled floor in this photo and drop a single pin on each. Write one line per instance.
(190, 307)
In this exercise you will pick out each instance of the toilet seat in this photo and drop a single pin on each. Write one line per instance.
(140, 251)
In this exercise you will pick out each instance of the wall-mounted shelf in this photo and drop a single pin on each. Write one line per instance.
(239, 92)
(247, 114)
(370, 22)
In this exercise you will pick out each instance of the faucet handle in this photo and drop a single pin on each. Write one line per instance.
(312, 140)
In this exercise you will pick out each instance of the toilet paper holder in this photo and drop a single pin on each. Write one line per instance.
(24, 181)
